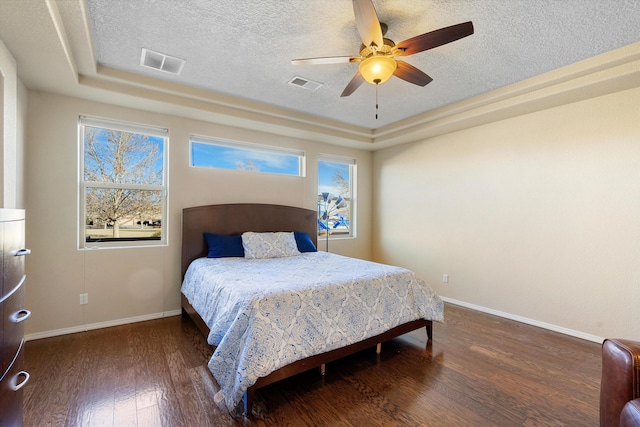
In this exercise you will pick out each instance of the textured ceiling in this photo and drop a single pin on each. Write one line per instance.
(244, 48)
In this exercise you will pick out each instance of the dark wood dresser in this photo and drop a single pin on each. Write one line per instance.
(13, 314)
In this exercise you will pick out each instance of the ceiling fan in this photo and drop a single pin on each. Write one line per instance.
(378, 54)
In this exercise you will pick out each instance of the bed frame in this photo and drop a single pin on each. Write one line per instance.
(235, 219)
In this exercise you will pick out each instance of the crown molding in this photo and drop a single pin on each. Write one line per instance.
(607, 73)
(227, 109)
(610, 72)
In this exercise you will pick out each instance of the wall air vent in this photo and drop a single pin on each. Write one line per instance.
(305, 83)
(160, 61)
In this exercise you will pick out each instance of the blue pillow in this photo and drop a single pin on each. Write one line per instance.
(224, 246)
(304, 242)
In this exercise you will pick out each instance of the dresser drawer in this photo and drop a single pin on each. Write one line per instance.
(3, 363)
(13, 254)
(13, 317)
(11, 392)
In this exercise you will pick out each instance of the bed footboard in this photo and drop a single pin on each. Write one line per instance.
(312, 361)
(330, 356)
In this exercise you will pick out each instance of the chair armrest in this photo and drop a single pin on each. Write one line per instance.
(620, 378)
(630, 416)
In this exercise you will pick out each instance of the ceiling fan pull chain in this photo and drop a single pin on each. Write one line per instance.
(377, 82)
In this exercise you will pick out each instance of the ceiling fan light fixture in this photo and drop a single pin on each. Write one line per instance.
(377, 69)
(377, 54)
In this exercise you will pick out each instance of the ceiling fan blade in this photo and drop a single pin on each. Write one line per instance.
(354, 84)
(435, 38)
(411, 74)
(326, 60)
(367, 22)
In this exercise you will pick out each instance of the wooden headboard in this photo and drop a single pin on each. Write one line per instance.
(234, 219)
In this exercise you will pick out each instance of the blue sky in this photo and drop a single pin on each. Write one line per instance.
(326, 170)
(217, 156)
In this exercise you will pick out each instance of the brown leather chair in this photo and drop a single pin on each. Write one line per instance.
(620, 385)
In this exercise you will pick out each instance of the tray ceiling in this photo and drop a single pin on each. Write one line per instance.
(244, 49)
(524, 56)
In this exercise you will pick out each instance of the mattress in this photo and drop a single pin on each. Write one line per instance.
(264, 314)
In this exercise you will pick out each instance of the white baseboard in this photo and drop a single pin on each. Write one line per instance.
(528, 321)
(99, 325)
(145, 317)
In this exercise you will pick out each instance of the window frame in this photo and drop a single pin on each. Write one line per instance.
(136, 128)
(352, 163)
(247, 146)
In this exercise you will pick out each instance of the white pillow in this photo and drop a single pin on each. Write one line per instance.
(269, 245)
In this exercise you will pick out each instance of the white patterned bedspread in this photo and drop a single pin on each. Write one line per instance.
(267, 313)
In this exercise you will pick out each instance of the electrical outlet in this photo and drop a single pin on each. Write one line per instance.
(84, 299)
(445, 278)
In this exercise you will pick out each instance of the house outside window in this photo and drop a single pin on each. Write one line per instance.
(336, 197)
(123, 191)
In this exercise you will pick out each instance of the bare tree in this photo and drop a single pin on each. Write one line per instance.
(124, 160)
(341, 183)
(249, 166)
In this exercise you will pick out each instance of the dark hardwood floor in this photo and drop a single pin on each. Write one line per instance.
(480, 370)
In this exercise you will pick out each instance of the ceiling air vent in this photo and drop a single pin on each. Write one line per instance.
(305, 83)
(162, 62)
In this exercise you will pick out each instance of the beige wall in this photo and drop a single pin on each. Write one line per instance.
(13, 97)
(130, 284)
(536, 217)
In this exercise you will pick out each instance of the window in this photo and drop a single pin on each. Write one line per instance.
(206, 152)
(336, 199)
(123, 184)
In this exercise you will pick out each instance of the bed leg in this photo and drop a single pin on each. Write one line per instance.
(429, 329)
(323, 369)
(247, 400)
(378, 348)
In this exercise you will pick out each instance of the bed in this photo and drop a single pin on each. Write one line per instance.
(255, 341)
